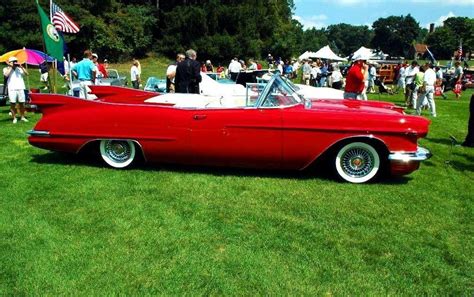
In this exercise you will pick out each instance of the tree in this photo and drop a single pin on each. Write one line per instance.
(446, 39)
(395, 34)
(349, 38)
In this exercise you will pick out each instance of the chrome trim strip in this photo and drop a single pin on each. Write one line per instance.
(421, 154)
(38, 133)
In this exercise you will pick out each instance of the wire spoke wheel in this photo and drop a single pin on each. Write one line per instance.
(117, 153)
(357, 162)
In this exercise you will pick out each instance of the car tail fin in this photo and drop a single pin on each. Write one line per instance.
(48, 102)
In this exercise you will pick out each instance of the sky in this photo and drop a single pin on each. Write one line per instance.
(322, 13)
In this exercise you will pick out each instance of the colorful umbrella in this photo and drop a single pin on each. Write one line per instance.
(28, 56)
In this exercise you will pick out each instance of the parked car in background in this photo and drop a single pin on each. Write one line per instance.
(154, 84)
(114, 79)
(3, 95)
(272, 127)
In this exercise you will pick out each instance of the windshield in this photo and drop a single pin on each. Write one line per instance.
(279, 93)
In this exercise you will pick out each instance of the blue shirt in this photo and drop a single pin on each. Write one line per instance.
(84, 69)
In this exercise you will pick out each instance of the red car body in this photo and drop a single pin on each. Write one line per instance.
(291, 135)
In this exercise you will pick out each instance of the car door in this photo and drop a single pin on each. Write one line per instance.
(242, 137)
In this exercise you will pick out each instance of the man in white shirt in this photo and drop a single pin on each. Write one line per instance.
(410, 73)
(234, 69)
(135, 75)
(401, 78)
(429, 81)
(16, 87)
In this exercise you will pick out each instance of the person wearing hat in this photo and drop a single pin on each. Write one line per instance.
(85, 71)
(14, 73)
(356, 77)
(135, 75)
(100, 70)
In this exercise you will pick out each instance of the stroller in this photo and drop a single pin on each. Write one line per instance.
(382, 87)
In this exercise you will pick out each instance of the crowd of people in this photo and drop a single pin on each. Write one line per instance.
(418, 83)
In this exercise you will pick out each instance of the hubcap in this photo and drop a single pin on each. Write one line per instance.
(357, 162)
(119, 151)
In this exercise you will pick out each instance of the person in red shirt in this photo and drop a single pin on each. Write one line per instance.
(355, 80)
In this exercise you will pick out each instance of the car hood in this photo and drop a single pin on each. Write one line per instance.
(369, 116)
(357, 106)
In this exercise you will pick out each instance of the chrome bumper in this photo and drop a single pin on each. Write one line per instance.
(38, 133)
(421, 154)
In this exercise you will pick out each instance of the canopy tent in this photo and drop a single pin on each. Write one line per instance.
(306, 55)
(370, 53)
(328, 54)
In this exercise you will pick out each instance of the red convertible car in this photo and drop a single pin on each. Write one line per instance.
(270, 127)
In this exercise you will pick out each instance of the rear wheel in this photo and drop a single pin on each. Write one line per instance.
(357, 162)
(117, 153)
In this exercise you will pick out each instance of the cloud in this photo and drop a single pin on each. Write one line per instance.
(441, 19)
(316, 21)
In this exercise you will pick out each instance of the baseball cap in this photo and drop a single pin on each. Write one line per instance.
(94, 55)
(12, 59)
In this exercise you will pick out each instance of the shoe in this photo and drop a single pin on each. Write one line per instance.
(14, 120)
(23, 119)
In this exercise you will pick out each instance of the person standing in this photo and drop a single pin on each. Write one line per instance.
(418, 91)
(401, 78)
(209, 66)
(14, 73)
(356, 77)
(336, 78)
(429, 80)
(469, 141)
(234, 69)
(135, 75)
(371, 78)
(324, 74)
(306, 73)
(188, 75)
(458, 72)
(171, 74)
(85, 73)
(410, 73)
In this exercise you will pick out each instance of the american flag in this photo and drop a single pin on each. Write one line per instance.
(62, 22)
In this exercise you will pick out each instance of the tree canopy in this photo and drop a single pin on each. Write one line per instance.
(219, 29)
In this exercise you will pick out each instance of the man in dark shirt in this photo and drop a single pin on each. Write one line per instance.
(188, 74)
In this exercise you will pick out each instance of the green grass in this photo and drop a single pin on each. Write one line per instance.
(72, 226)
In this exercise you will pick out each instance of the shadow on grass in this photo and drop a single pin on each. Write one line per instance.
(315, 172)
(445, 141)
(463, 166)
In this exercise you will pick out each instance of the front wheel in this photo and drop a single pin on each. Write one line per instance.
(357, 162)
(117, 153)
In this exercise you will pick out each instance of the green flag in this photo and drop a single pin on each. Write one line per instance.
(52, 40)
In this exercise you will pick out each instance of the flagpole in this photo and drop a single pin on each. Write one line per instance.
(51, 10)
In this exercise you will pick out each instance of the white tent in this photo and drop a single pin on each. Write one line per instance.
(306, 55)
(370, 53)
(328, 54)
(363, 51)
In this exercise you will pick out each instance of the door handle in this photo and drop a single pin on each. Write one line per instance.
(199, 117)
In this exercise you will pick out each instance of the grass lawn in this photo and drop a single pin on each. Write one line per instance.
(72, 226)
